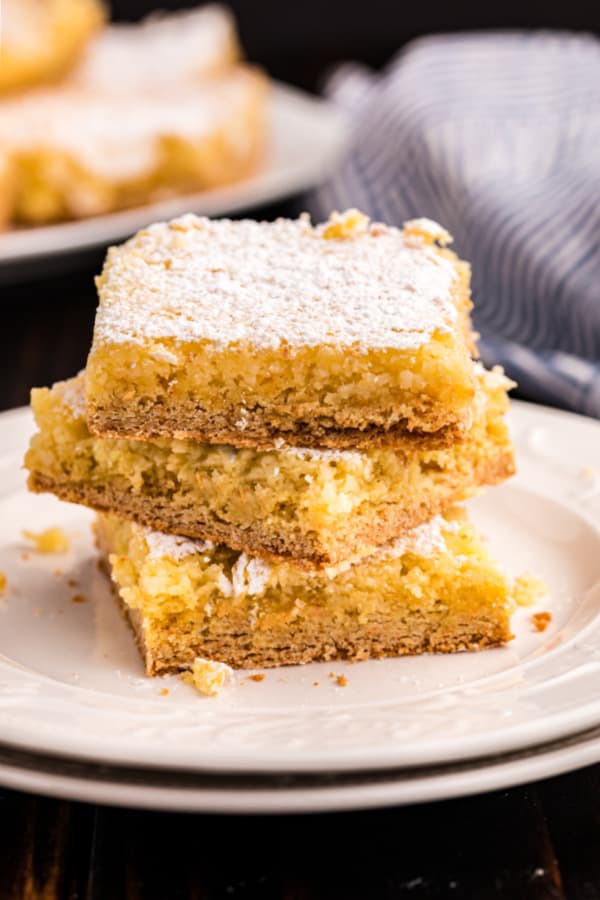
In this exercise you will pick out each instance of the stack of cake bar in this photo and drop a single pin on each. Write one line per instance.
(276, 423)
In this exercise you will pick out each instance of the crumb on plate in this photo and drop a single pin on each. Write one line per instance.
(207, 676)
(78, 598)
(3, 582)
(341, 680)
(541, 620)
(51, 540)
(164, 692)
(528, 589)
(258, 677)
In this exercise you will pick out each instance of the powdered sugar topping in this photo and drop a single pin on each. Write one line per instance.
(72, 395)
(264, 284)
(249, 575)
(425, 540)
(172, 546)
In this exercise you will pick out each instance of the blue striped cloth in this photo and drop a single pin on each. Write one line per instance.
(497, 137)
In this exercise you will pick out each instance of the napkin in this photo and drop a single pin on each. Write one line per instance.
(497, 137)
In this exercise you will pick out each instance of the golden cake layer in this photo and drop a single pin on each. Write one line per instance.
(41, 39)
(346, 334)
(315, 506)
(437, 589)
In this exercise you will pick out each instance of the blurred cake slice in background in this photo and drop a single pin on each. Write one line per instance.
(79, 153)
(153, 110)
(161, 50)
(41, 39)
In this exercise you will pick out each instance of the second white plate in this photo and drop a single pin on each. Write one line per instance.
(71, 682)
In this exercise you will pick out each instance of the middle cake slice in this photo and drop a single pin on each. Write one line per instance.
(318, 507)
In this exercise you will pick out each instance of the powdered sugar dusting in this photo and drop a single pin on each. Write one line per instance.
(72, 395)
(424, 540)
(249, 575)
(172, 546)
(271, 282)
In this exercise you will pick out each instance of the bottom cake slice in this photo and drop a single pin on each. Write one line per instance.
(436, 589)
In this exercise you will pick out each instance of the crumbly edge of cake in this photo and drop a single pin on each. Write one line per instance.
(351, 541)
(168, 651)
(264, 430)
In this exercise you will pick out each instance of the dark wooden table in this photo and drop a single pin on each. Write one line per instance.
(539, 842)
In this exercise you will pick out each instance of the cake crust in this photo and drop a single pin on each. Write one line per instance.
(265, 431)
(233, 642)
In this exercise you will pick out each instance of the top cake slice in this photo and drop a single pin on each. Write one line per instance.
(337, 335)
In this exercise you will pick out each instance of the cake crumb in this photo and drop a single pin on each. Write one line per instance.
(341, 680)
(428, 231)
(259, 677)
(51, 540)
(541, 620)
(72, 582)
(164, 692)
(207, 676)
(345, 225)
(3, 583)
(528, 589)
(315, 684)
(78, 598)
(58, 572)
(25, 556)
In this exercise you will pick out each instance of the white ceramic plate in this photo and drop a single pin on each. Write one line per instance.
(306, 136)
(191, 792)
(71, 682)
